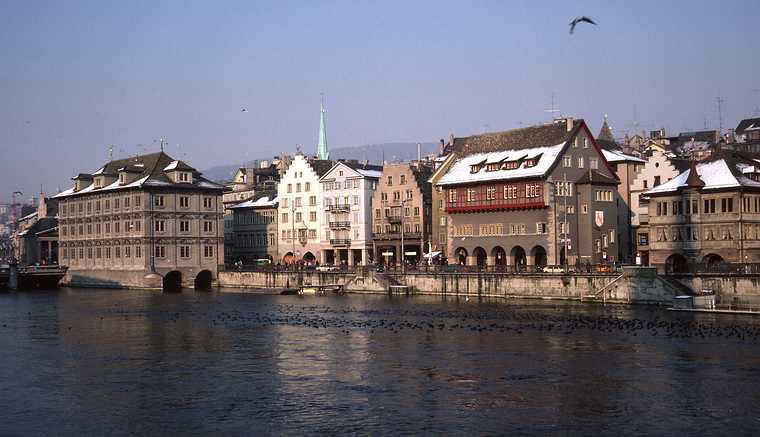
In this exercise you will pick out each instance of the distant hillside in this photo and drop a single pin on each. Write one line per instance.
(372, 152)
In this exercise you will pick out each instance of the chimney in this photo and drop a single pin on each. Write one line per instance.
(443, 145)
(569, 122)
(419, 152)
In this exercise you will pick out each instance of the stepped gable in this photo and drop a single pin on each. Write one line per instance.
(321, 166)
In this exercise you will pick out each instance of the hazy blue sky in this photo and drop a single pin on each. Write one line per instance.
(78, 76)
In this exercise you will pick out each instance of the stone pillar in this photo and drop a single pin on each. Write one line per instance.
(472, 260)
(350, 257)
(490, 260)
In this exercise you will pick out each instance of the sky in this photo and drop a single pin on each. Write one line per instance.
(77, 77)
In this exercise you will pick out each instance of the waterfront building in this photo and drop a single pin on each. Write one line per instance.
(401, 215)
(626, 167)
(439, 235)
(347, 190)
(144, 221)
(254, 229)
(707, 214)
(245, 184)
(36, 237)
(301, 210)
(660, 167)
(529, 196)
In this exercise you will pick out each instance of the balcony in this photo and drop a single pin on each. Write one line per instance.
(340, 225)
(339, 208)
(397, 236)
(337, 242)
(394, 219)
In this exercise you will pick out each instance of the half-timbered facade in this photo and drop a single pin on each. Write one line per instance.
(529, 196)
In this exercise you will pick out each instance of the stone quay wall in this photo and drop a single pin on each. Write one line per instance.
(737, 289)
(634, 285)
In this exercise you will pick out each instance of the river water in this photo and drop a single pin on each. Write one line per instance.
(115, 362)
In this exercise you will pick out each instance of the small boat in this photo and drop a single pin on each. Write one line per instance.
(309, 291)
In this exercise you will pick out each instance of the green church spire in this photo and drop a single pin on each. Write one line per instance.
(322, 152)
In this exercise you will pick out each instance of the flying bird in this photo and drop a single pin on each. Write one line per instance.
(582, 19)
(243, 110)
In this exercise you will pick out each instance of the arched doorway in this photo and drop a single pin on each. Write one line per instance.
(499, 256)
(712, 260)
(172, 281)
(309, 258)
(288, 258)
(203, 280)
(480, 256)
(518, 257)
(539, 256)
(676, 263)
(461, 256)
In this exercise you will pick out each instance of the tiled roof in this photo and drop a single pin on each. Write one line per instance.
(522, 138)
(724, 169)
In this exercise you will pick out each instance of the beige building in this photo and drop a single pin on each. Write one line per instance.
(660, 167)
(36, 240)
(707, 215)
(439, 235)
(145, 221)
(254, 229)
(401, 214)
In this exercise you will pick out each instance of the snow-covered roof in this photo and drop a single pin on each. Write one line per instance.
(28, 216)
(370, 173)
(100, 171)
(261, 202)
(91, 187)
(172, 165)
(613, 156)
(715, 174)
(460, 171)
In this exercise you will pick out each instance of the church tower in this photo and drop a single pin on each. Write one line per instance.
(322, 152)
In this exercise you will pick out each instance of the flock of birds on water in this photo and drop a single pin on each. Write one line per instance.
(509, 319)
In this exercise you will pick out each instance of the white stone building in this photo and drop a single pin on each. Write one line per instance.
(301, 212)
(346, 235)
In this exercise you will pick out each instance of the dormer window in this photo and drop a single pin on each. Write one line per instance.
(530, 163)
(492, 166)
(122, 178)
(474, 168)
(511, 165)
(99, 182)
(183, 176)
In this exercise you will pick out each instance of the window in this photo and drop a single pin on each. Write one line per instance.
(312, 216)
(298, 187)
(298, 217)
(452, 196)
(646, 184)
(158, 226)
(208, 226)
(312, 200)
(184, 226)
(442, 220)
(604, 196)
(564, 188)
(117, 252)
(540, 228)
(290, 188)
(207, 202)
(471, 195)
(184, 251)
(117, 227)
(137, 203)
(695, 207)
(510, 192)
(377, 213)
(297, 202)
(208, 251)
(409, 194)
(580, 162)
(402, 180)
(585, 143)
(184, 202)
(284, 218)
(612, 236)
(584, 208)
(593, 163)
(127, 251)
(567, 161)
(656, 181)
(160, 252)
(307, 186)
(532, 190)
(390, 181)
(126, 202)
(491, 193)
(570, 209)
(184, 176)
(416, 211)
(157, 201)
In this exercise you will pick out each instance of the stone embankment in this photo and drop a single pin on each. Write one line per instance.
(633, 285)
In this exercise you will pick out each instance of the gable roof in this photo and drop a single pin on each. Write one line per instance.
(725, 169)
(748, 124)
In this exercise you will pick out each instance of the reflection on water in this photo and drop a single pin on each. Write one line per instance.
(101, 362)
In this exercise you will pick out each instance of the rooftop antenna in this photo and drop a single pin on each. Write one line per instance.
(110, 152)
(720, 100)
(161, 143)
(553, 109)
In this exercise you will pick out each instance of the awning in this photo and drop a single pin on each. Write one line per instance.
(433, 254)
